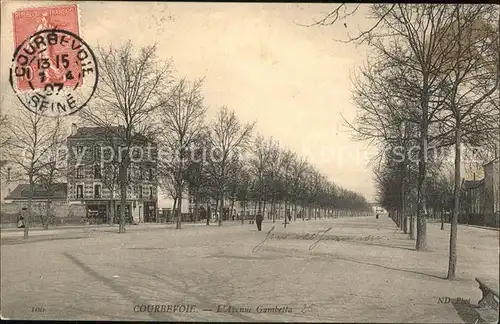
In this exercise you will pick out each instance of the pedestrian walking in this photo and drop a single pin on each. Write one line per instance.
(376, 216)
(258, 221)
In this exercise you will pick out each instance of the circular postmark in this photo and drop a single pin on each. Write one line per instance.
(54, 73)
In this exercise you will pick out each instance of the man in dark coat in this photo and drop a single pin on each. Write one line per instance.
(258, 221)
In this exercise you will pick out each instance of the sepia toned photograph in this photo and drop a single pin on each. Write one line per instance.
(250, 162)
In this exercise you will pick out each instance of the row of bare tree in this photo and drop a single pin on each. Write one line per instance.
(138, 101)
(430, 82)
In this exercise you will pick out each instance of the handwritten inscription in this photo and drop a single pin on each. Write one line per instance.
(312, 246)
(319, 236)
(259, 246)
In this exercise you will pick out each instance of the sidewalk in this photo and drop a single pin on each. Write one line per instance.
(60, 230)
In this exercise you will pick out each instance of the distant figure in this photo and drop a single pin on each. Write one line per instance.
(20, 222)
(258, 221)
(289, 218)
(376, 216)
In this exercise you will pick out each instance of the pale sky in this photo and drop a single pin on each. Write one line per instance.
(293, 80)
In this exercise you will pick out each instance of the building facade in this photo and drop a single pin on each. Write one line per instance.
(94, 157)
(491, 201)
(480, 199)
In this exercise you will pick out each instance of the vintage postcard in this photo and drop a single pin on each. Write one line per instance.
(250, 162)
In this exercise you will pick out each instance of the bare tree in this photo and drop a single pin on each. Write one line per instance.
(131, 88)
(413, 39)
(228, 137)
(34, 137)
(4, 136)
(287, 159)
(196, 173)
(299, 168)
(182, 118)
(54, 169)
(243, 188)
(474, 62)
(258, 164)
(272, 172)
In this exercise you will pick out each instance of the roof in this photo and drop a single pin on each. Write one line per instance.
(21, 192)
(472, 184)
(103, 132)
(495, 160)
(92, 132)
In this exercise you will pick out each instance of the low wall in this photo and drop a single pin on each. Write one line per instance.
(61, 213)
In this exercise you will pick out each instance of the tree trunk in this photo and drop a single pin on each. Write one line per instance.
(286, 216)
(175, 205)
(405, 223)
(231, 211)
(111, 217)
(123, 202)
(421, 242)
(197, 205)
(442, 219)
(209, 213)
(47, 216)
(244, 212)
(178, 211)
(221, 214)
(402, 198)
(264, 210)
(273, 211)
(456, 205)
(412, 224)
(27, 216)
(286, 212)
(123, 193)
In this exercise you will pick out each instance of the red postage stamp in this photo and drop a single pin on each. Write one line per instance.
(54, 72)
(31, 20)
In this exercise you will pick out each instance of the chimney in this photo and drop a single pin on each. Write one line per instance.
(73, 129)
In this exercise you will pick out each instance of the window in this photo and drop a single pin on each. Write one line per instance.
(79, 172)
(150, 174)
(79, 149)
(97, 171)
(97, 152)
(136, 152)
(79, 191)
(129, 176)
(97, 191)
(151, 192)
(140, 173)
(140, 191)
